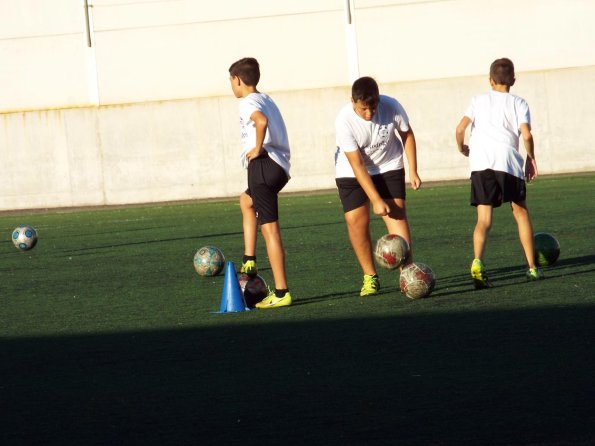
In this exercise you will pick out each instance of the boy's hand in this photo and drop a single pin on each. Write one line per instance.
(380, 207)
(254, 153)
(464, 150)
(530, 169)
(415, 180)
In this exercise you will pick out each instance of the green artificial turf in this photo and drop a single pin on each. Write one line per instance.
(109, 337)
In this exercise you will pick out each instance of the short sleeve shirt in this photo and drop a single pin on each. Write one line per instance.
(377, 140)
(276, 142)
(494, 142)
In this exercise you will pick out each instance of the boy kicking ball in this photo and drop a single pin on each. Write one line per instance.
(369, 170)
(498, 119)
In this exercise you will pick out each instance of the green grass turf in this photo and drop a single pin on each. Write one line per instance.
(108, 335)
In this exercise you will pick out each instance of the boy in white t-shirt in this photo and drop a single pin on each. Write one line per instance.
(265, 154)
(497, 120)
(369, 169)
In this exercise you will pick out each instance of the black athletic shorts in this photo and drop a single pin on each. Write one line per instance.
(389, 185)
(265, 179)
(495, 187)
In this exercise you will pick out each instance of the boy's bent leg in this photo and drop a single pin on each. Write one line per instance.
(482, 229)
(272, 237)
(358, 229)
(396, 222)
(249, 224)
(525, 227)
(480, 238)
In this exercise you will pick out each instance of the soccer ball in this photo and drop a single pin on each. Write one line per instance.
(24, 237)
(417, 280)
(391, 251)
(209, 261)
(547, 249)
(254, 289)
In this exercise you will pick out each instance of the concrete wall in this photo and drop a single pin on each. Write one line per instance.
(186, 149)
(145, 114)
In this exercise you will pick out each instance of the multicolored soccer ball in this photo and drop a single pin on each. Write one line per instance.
(417, 280)
(209, 261)
(254, 289)
(391, 251)
(547, 249)
(24, 237)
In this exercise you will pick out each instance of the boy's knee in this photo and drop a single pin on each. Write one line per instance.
(519, 210)
(355, 221)
(484, 223)
(245, 200)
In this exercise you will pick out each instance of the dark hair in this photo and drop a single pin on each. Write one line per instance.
(365, 89)
(502, 72)
(247, 69)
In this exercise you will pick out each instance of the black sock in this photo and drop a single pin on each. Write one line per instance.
(280, 293)
(246, 258)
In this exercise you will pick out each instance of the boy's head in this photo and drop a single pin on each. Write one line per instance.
(247, 69)
(365, 97)
(502, 72)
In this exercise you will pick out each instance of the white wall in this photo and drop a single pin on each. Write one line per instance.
(408, 40)
(162, 49)
(42, 54)
(148, 50)
(145, 114)
(181, 49)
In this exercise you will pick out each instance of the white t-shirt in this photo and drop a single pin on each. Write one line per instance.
(376, 140)
(494, 143)
(276, 142)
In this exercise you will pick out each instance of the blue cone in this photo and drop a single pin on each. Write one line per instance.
(232, 300)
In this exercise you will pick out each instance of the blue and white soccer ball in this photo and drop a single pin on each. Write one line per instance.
(24, 237)
(209, 261)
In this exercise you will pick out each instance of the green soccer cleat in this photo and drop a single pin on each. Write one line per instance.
(371, 285)
(479, 276)
(249, 267)
(534, 274)
(272, 301)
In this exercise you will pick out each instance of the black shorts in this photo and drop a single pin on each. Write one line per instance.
(494, 187)
(265, 179)
(389, 185)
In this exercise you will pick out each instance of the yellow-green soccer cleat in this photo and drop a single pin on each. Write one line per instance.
(249, 267)
(371, 285)
(534, 274)
(479, 276)
(272, 301)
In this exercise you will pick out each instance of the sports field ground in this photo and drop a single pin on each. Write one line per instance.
(108, 335)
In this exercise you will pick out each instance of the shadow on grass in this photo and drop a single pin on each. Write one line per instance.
(323, 297)
(500, 377)
(511, 275)
(185, 237)
(577, 264)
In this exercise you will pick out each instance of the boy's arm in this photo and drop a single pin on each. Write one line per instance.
(460, 135)
(410, 147)
(363, 177)
(260, 123)
(530, 163)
